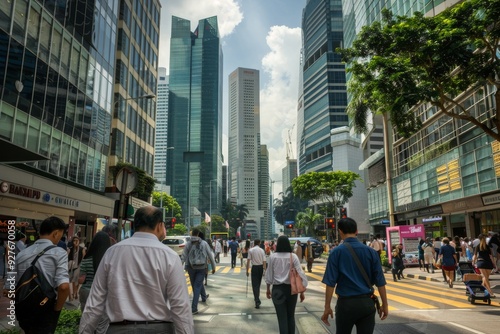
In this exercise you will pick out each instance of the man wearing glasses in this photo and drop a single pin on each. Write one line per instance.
(140, 284)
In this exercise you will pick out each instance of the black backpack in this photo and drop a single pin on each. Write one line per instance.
(35, 297)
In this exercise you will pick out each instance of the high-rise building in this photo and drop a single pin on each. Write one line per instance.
(136, 77)
(56, 98)
(244, 140)
(161, 144)
(224, 197)
(195, 117)
(323, 97)
(288, 173)
(265, 220)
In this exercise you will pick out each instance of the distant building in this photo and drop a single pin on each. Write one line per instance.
(265, 221)
(195, 117)
(288, 173)
(161, 131)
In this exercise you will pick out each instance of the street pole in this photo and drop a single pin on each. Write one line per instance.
(210, 208)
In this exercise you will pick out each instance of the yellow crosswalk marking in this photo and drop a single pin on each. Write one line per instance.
(407, 291)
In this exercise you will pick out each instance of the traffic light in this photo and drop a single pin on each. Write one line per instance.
(343, 212)
(289, 225)
(170, 222)
(249, 235)
(330, 222)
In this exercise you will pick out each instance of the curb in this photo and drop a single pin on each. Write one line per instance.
(425, 278)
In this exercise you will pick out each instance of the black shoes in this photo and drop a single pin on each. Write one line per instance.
(204, 301)
(257, 304)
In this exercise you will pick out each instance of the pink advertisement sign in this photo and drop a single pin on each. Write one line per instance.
(412, 231)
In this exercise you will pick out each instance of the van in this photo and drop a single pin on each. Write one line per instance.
(316, 244)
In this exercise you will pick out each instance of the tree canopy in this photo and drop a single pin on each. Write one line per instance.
(287, 207)
(402, 62)
(334, 188)
(308, 220)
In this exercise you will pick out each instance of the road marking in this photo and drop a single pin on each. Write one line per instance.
(446, 301)
(319, 278)
(466, 328)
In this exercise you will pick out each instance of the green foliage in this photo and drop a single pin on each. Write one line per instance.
(308, 220)
(169, 203)
(403, 62)
(11, 331)
(334, 187)
(287, 207)
(68, 321)
(384, 260)
(432, 152)
(234, 214)
(145, 183)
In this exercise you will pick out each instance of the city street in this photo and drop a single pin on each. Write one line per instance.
(416, 305)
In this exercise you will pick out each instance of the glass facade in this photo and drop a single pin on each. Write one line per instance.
(324, 88)
(56, 69)
(195, 115)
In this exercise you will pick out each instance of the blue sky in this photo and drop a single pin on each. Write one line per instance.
(259, 34)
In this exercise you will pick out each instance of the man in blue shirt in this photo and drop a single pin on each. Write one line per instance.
(233, 245)
(354, 305)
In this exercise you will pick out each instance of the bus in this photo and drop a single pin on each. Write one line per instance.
(219, 235)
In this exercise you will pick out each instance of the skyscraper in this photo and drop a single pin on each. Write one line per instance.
(323, 98)
(56, 97)
(244, 141)
(265, 221)
(161, 131)
(195, 117)
(288, 173)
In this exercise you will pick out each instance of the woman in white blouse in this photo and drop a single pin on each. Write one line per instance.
(278, 275)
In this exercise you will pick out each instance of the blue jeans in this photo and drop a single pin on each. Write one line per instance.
(196, 276)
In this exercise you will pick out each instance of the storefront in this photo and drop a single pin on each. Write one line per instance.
(29, 198)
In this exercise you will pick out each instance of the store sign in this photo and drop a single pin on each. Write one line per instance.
(491, 199)
(19, 190)
(36, 195)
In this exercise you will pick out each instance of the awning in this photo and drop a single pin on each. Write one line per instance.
(372, 159)
(12, 153)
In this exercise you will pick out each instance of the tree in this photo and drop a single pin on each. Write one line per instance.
(145, 183)
(401, 63)
(334, 188)
(286, 207)
(308, 220)
(169, 203)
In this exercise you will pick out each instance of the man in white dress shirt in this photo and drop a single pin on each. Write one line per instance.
(257, 256)
(140, 284)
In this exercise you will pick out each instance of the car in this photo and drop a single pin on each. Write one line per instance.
(316, 244)
(176, 242)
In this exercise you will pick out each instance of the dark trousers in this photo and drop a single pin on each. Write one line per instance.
(233, 259)
(359, 312)
(310, 264)
(41, 325)
(196, 276)
(284, 303)
(152, 328)
(257, 273)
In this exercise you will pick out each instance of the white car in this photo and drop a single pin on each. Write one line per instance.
(176, 242)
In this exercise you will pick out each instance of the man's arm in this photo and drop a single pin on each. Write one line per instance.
(62, 295)
(328, 309)
(211, 257)
(384, 308)
(248, 261)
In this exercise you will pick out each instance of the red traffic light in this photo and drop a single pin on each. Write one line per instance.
(330, 222)
(289, 225)
(343, 212)
(170, 222)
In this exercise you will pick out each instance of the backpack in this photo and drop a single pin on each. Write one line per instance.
(197, 257)
(35, 297)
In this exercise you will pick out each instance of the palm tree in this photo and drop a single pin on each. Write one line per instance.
(308, 220)
(242, 211)
(287, 207)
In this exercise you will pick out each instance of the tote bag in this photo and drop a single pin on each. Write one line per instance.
(295, 280)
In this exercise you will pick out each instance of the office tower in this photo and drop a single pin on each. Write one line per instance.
(56, 97)
(288, 173)
(195, 117)
(136, 77)
(263, 174)
(323, 97)
(244, 141)
(161, 145)
(224, 197)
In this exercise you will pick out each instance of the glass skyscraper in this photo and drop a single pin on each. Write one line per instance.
(195, 117)
(323, 97)
(161, 144)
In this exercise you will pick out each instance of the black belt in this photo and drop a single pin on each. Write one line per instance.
(257, 265)
(148, 322)
(355, 297)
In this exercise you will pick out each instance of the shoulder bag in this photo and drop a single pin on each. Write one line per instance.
(365, 276)
(295, 280)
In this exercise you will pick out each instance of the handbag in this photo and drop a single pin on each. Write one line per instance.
(365, 276)
(438, 263)
(82, 278)
(295, 280)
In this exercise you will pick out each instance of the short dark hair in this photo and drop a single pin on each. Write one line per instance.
(256, 242)
(147, 217)
(348, 225)
(52, 224)
(283, 245)
(195, 232)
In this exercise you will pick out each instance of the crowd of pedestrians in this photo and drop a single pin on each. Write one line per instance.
(139, 283)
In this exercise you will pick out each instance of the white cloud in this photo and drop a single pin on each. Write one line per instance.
(278, 98)
(228, 13)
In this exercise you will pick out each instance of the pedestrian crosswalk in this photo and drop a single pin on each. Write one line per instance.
(405, 294)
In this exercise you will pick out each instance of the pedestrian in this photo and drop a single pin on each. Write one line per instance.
(421, 259)
(196, 252)
(75, 257)
(224, 246)
(54, 266)
(309, 256)
(257, 257)
(298, 250)
(355, 306)
(140, 285)
(397, 262)
(21, 243)
(377, 245)
(244, 252)
(494, 244)
(234, 247)
(218, 250)
(449, 260)
(429, 255)
(483, 259)
(278, 275)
